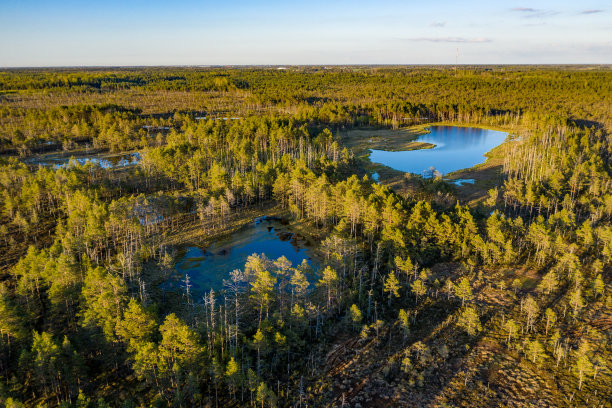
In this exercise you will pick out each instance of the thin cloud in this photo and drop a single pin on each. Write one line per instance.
(451, 39)
(591, 11)
(438, 24)
(529, 12)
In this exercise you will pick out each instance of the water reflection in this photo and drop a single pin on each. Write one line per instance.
(207, 267)
(455, 148)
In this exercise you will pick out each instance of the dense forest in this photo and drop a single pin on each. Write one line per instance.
(419, 298)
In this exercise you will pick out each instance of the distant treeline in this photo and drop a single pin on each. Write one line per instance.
(118, 108)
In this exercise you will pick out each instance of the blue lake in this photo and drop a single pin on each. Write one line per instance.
(455, 148)
(208, 267)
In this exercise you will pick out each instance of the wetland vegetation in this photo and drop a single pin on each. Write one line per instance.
(268, 260)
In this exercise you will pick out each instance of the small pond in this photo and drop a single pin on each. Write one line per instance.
(455, 148)
(207, 267)
(106, 161)
(461, 182)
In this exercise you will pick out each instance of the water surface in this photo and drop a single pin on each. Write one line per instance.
(460, 182)
(106, 161)
(207, 267)
(455, 148)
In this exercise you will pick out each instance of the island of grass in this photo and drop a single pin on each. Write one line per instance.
(362, 140)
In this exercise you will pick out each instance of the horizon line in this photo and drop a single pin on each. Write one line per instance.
(306, 65)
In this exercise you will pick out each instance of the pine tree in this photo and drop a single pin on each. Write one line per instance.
(404, 322)
(262, 289)
(299, 284)
(392, 286)
(232, 375)
(549, 282)
(511, 328)
(468, 320)
(11, 320)
(283, 265)
(355, 316)
(259, 341)
(576, 302)
(516, 285)
(531, 308)
(583, 365)
(551, 317)
(535, 350)
(463, 290)
(329, 279)
(265, 396)
(105, 295)
(137, 325)
(179, 351)
(146, 363)
(46, 362)
(418, 288)
(404, 265)
(216, 372)
(598, 286)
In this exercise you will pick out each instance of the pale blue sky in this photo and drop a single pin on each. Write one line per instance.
(151, 32)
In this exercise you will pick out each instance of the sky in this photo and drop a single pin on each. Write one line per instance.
(294, 32)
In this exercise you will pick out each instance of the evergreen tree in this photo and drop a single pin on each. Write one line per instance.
(392, 286)
(46, 363)
(418, 288)
(463, 290)
(511, 328)
(137, 325)
(262, 289)
(531, 308)
(232, 375)
(551, 317)
(328, 280)
(582, 365)
(355, 316)
(468, 320)
(404, 322)
(535, 350)
(576, 302)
